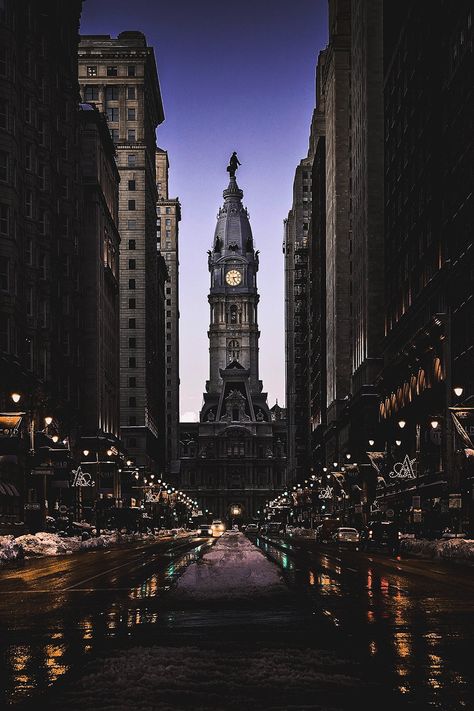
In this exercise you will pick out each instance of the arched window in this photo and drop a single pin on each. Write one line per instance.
(233, 313)
(233, 349)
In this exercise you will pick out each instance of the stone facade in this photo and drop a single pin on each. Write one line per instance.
(234, 459)
(168, 217)
(119, 76)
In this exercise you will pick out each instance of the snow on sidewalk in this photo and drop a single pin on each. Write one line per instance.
(51, 544)
(234, 569)
(456, 549)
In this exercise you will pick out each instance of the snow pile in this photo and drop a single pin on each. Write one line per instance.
(306, 532)
(43, 543)
(452, 548)
(233, 569)
(10, 550)
(177, 678)
(46, 544)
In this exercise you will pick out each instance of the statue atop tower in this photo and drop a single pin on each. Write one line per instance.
(233, 165)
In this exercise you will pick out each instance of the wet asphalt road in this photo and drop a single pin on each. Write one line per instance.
(406, 624)
(410, 620)
(54, 611)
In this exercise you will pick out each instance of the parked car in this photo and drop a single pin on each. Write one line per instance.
(382, 535)
(345, 535)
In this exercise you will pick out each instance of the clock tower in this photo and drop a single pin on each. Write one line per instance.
(233, 297)
(234, 459)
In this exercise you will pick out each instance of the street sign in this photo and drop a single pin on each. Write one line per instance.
(42, 471)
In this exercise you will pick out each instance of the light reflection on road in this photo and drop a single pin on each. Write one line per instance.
(408, 626)
(73, 623)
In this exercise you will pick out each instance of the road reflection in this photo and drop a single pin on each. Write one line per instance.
(53, 631)
(414, 633)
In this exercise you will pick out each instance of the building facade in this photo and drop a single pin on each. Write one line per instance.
(234, 459)
(119, 75)
(100, 310)
(295, 250)
(168, 217)
(40, 212)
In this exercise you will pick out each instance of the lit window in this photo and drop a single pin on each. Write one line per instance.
(91, 71)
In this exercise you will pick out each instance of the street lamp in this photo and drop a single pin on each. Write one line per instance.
(85, 452)
(398, 442)
(16, 397)
(434, 424)
(371, 442)
(458, 391)
(401, 424)
(348, 456)
(48, 420)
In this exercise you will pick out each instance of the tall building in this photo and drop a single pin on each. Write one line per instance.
(428, 344)
(100, 305)
(336, 79)
(167, 220)
(295, 249)
(234, 459)
(367, 212)
(40, 212)
(119, 75)
(317, 276)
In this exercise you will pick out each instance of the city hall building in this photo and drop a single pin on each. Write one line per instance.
(234, 459)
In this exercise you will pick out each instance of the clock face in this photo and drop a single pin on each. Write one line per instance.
(233, 277)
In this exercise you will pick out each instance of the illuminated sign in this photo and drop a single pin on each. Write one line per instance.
(403, 470)
(152, 497)
(326, 493)
(81, 478)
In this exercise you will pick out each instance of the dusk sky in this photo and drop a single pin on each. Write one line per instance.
(234, 76)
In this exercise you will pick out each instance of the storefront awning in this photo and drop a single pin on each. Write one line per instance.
(8, 489)
(9, 424)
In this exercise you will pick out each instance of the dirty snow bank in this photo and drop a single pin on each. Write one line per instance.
(46, 544)
(233, 569)
(460, 549)
(173, 679)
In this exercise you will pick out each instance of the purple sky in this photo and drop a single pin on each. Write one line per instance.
(234, 76)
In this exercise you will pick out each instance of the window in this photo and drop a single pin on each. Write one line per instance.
(131, 135)
(112, 114)
(42, 176)
(168, 222)
(131, 225)
(132, 342)
(111, 93)
(131, 185)
(131, 70)
(28, 156)
(3, 113)
(114, 134)
(132, 323)
(91, 93)
(3, 61)
(132, 382)
(132, 401)
(4, 268)
(131, 159)
(131, 284)
(132, 304)
(28, 109)
(131, 204)
(131, 92)
(132, 264)
(111, 71)
(168, 211)
(131, 244)
(132, 420)
(132, 362)
(3, 166)
(4, 219)
(29, 203)
(131, 114)
(91, 71)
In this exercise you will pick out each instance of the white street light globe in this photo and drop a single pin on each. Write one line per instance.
(16, 397)
(401, 423)
(48, 420)
(458, 391)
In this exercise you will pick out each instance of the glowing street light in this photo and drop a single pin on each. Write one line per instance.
(401, 424)
(16, 397)
(434, 424)
(85, 452)
(458, 391)
(48, 420)
(371, 442)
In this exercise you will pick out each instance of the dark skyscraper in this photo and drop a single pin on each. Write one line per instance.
(119, 75)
